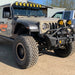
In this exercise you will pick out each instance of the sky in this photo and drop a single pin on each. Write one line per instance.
(39, 1)
(43, 2)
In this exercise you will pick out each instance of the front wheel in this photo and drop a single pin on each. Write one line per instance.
(26, 51)
(66, 51)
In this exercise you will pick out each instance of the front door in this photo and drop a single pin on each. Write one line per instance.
(6, 23)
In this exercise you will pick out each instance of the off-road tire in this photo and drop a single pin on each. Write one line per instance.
(30, 50)
(64, 52)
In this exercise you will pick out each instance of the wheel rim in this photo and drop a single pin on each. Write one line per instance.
(20, 51)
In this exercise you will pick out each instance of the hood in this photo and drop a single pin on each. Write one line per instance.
(33, 20)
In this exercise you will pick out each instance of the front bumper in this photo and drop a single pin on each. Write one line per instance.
(55, 42)
(65, 37)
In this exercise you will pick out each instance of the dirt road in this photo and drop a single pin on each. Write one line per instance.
(48, 64)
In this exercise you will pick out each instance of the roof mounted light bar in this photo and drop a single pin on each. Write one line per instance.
(27, 4)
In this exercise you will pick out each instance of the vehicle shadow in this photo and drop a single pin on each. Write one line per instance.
(7, 55)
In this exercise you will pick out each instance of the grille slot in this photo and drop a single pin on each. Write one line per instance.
(53, 25)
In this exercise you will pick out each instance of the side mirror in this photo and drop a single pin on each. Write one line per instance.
(6, 14)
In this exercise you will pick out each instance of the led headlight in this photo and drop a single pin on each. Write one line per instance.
(60, 23)
(33, 27)
(69, 22)
(45, 26)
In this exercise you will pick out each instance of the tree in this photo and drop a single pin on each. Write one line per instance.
(68, 4)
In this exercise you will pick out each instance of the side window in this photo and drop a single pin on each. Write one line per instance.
(6, 12)
(58, 15)
(67, 15)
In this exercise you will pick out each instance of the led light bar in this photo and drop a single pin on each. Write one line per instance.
(27, 4)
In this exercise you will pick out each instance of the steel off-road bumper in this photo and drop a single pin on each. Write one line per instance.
(57, 42)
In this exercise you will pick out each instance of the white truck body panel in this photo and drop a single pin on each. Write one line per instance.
(51, 12)
(4, 2)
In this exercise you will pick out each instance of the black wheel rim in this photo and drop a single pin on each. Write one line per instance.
(20, 51)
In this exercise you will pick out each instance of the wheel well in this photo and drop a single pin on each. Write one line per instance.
(21, 29)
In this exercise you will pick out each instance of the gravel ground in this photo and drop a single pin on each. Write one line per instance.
(48, 63)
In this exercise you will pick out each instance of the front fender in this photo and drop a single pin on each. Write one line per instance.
(30, 27)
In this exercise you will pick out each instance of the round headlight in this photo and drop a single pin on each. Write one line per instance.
(69, 22)
(60, 22)
(45, 26)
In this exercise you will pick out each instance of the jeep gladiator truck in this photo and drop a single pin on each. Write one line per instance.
(27, 27)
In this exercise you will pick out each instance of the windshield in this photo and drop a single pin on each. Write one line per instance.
(67, 15)
(58, 15)
(28, 12)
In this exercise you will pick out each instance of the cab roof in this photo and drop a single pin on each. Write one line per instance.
(6, 2)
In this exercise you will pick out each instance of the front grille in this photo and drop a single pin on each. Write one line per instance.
(53, 25)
